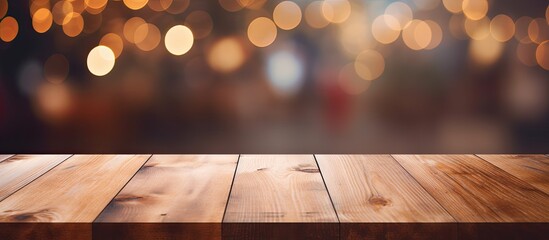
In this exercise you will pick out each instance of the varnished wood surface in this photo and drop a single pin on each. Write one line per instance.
(274, 197)
(18, 171)
(473, 190)
(533, 169)
(77, 190)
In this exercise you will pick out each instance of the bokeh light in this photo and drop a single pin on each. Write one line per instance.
(350, 82)
(285, 72)
(95, 4)
(526, 53)
(475, 9)
(521, 29)
(336, 11)
(502, 28)
(151, 37)
(262, 32)
(3, 8)
(200, 23)
(42, 20)
(101, 60)
(231, 5)
(131, 26)
(135, 4)
(53, 101)
(287, 15)
(314, 16)
(542, 55)
(453, 6)
(73, 24)
(369, 64)
(382, 31)
(56, 68)
(179, 40)
(477, 29)
(485, 51)
(401, 12)
(226, 55)
(159, 5)
(178, 7)
(8, 29)
(60, 10)
(114, 42)
(417, 35)
(436, 34)
(538, 30)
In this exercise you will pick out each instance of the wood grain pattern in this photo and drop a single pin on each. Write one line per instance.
(533, 169)
(279, 188)
(375, 188)
(20, 170)
(473, 190)
(74, 191)
(175, 188)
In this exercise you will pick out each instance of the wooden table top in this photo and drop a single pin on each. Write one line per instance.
(274, 196)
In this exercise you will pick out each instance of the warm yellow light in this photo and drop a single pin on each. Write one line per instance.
(8, 29)
(477, 29)
(475, 9)
(538, 31)
(60, 11)
(101, 60)
(336, 11)
(3, 8)
(95, 4)
(369, 65)
(354, 34)
(152, 37)
(314, 16)
(542, 55)
(485, 51)
(287, 15)
(453, 6)
(114, 42)
(262, 32)
(502, 28)
(226, 55)
(130, 26)
(417, 35)
(179, 40)
(159, 5)
(73, 24)
(436, 34)
(42, 20)
(401, 12)
(350, 82)
(200, 23)
(135, 4)
(53, 101)
(382, 31)
(56, 68)
(230, 5)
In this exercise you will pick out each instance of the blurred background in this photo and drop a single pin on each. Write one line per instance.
(267, 76)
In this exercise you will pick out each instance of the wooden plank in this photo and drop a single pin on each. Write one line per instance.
(5, 156)
(375, 188)
(188, 189)
(74, 191)
(473, 190)
(20, 170)
(533, 169)
(375, 197)
(270, 190)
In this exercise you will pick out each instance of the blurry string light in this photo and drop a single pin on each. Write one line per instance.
(382, 31)
(453, 6)
(475, 9)
(226, 55)
(159, 5)
(3, 8)
(354, 34)
(285, 72)
(287, 15)
(336, 11)
(417, 35)
(538, 30)
(369, 65)
(100, 60)
(262, 32)
(521, 29)
(135, 4)
(502, 28)
(151, 37)
(73, 24)
(230, 5)
(60, 10)
(179, 40)
(485, 51)
(131, 26)
(477, 29)
(200, 23)
(114, 42)
(542, 55)
(8, 29)
(401, 12)
(42, 20)
(314, 16)
(436, 34)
